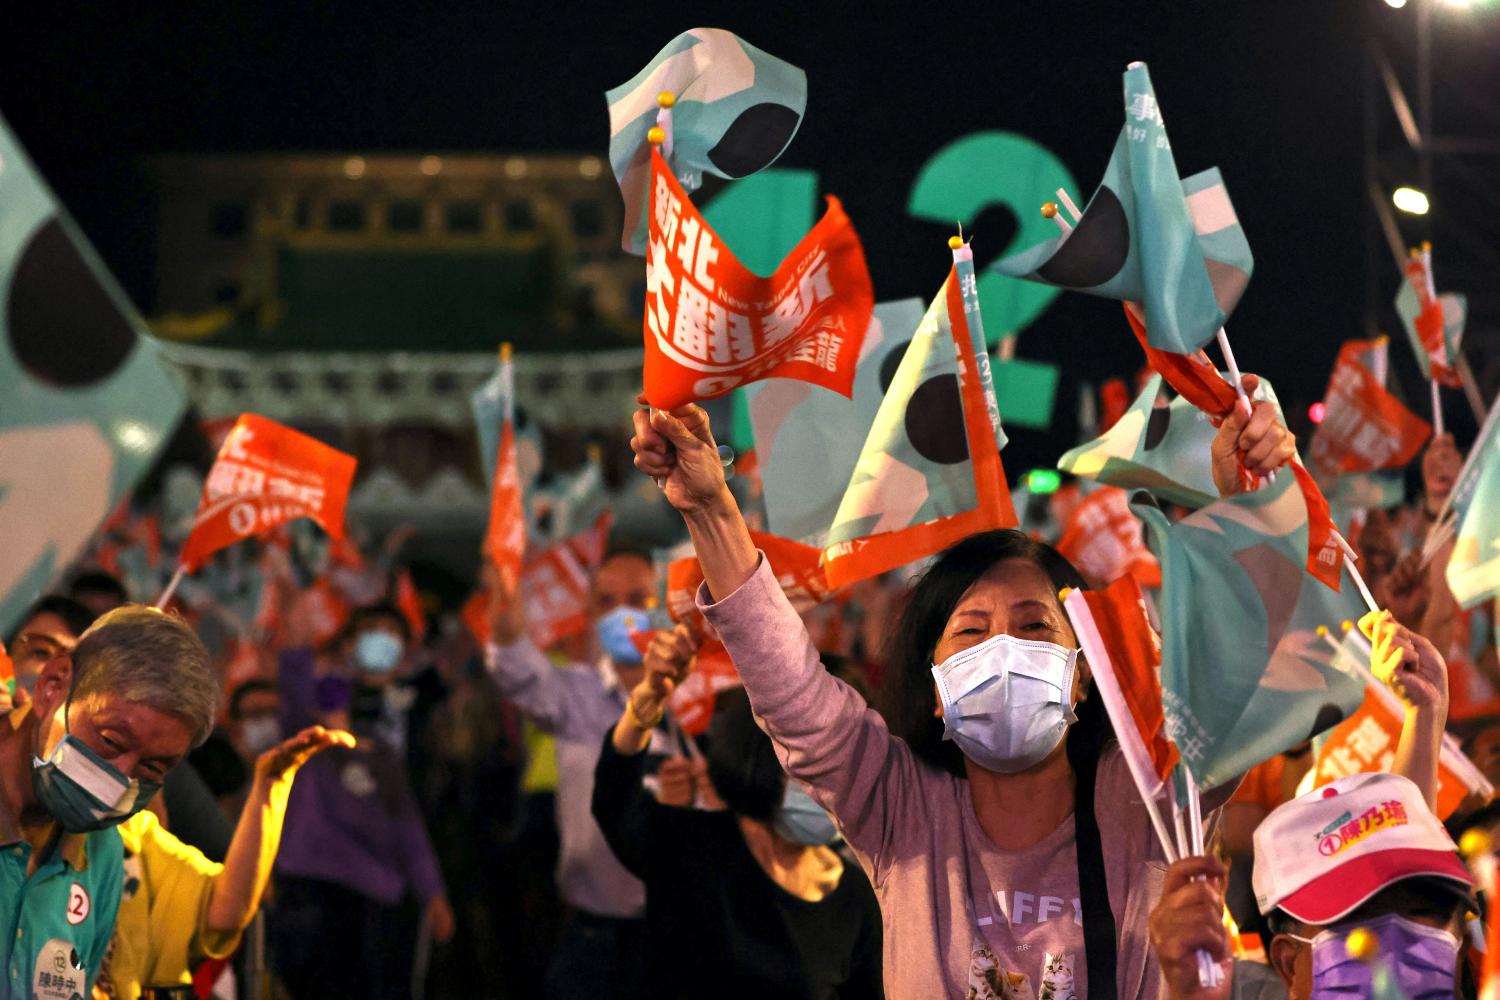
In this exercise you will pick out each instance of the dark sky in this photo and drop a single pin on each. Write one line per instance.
(1268, 91)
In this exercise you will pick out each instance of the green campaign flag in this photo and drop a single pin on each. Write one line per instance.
(807, 439)
(736, 110)
(1158, 446)
(1455, 315)
(1175, 246)
(1474, 569)
(1244, 672)
(1029, 389)
(88, 403)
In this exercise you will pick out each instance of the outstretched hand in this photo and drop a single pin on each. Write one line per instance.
(282, 761)
(1409, 663)
(668, 659)
(676, 448)
(1256, 443)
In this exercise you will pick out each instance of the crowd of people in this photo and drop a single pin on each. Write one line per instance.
(414, 806)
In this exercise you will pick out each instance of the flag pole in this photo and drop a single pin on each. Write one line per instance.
(1437, 408)
(171, 588)
(1359, 581)
(660, 136)
(1062, 196)
(1209, 973)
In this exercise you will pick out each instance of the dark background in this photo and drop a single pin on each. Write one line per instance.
(1272, 92)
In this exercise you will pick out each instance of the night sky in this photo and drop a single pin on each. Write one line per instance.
(1270, 92)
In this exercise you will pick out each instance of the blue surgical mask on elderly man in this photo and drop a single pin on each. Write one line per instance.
(378, 652)
(82, 790)
(1007, 702)
(614, 630)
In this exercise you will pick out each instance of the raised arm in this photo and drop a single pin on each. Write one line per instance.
(520, 670)
(1421, 679)
(236, 891)
(825, 734)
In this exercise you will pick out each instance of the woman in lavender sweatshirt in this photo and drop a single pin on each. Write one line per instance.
(1000, 828)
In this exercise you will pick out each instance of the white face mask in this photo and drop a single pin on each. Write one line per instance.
(1007, 701)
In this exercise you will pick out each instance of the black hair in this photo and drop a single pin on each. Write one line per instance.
(245, 690)
(908, 701)
(627, 550)
(381, 610)
(74, 615)
(96, 581)
(742, 764)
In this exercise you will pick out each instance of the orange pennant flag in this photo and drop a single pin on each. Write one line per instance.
(711, 324)
(505, 537)
(1104, 540)
(267, 474)
(1364, 427)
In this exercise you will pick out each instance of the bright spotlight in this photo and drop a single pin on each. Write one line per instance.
(1409, 199)
(1398, 4)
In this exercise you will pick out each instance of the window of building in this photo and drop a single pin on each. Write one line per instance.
(588, 220)
(520, 216)
(404, 216)
(346, 216)
(465, 217)
(230, 220)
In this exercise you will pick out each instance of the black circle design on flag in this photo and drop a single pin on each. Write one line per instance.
(935, 421)
(63, 327)
(1157, 425)
(1098, 248)
(755, 139)
(890, 363)
(1329, 715)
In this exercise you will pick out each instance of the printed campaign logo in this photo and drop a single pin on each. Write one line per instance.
(1375, 819)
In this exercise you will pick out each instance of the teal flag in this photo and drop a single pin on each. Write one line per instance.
(1474, 569)
(1455, 316)
(736, 110)
(88, 403)
(1159, 446)
(1367, 490)
(1175, 246)
(807, 440)
(488, 404)
(1244, 672)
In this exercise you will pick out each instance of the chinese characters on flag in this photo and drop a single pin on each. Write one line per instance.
(712, 325)
(267, 474)
(1104, 540)
(1364, 427)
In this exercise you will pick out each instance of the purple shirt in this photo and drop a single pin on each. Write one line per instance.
(351, 817)
(576, 705)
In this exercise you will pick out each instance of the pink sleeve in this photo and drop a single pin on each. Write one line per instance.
(825, 734)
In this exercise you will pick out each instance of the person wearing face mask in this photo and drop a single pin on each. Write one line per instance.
(90, 750)
(577, 704)
(1002, 832)
(1364, 852)
(747, 900)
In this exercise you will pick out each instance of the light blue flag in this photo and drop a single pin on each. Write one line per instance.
(1474, 568)
(87, 404)
(736, 110)
(807, 440)
(1175, 246)
(488, 404)
(1455, 316)
(1244, 672)
(1158, 446)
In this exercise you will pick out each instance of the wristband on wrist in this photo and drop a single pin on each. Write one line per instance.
(640, 723)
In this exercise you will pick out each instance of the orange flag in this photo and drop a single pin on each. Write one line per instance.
(1104, 540)
(267, 474)
(1364, 427)
(712, 325)
(505, 538)
(1124, 655)
(410, 604)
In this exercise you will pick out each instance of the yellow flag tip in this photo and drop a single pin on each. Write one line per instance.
(1322, 631)
(1049, 209)
(594, 453)
(657, 135)
(666, 99)
(505, 351)
(955, 242)
(1062, 595)
(1346, 625)
(1362, 944)
(1474, 842)
(1426, 245)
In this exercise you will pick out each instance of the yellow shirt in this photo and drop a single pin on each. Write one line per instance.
(159, 930)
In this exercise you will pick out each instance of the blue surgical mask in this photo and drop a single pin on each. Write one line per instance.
(82, 790)
(377, 652)
(614, 631)
(801, 820)
(1422, 961)
(1007, 702)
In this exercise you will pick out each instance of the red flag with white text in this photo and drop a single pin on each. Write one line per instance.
(267, 474)
(712, 325)
(1364, 427)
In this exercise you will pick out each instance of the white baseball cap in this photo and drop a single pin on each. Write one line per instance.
(1322, 856)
